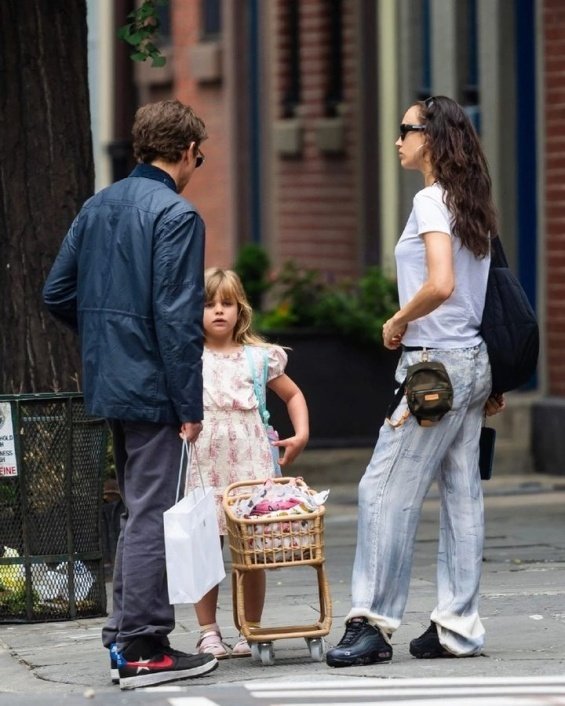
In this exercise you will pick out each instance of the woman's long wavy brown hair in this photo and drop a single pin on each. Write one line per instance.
(460, 167)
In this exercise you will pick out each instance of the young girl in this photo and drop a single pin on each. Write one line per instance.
(233, 445)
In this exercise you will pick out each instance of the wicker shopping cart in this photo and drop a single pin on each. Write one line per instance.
(264, 542)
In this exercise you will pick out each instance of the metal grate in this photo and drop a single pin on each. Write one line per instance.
(51, 563)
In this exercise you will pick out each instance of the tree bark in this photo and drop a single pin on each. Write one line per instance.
(46, 173)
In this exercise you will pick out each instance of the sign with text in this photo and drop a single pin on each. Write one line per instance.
(8, 462)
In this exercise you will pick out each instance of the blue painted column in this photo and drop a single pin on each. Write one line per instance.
(526, 157)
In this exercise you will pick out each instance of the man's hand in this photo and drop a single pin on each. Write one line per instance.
(190, 431)
(494, 405)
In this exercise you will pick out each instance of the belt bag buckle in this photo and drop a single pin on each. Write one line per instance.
(429, 392)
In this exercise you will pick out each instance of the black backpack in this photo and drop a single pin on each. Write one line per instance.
(509, 326)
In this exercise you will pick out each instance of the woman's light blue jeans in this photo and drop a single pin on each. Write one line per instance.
(404, 464)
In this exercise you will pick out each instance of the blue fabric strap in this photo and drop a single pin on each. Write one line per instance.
(260, 390)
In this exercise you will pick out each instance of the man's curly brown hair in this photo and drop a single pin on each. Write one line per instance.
(164, 130)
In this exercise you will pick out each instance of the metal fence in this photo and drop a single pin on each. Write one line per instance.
(52, 459)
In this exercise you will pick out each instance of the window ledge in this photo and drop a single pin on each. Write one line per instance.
(330, 135)
(287, 137)
(148, 75)
(206, 61)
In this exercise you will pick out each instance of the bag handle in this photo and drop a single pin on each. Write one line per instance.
(189, 451)
(497, 254)
(260, 394)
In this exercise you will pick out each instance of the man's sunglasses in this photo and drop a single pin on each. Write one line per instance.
(405, 128)
(199, 160)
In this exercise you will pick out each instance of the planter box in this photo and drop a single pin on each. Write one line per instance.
(348, 387)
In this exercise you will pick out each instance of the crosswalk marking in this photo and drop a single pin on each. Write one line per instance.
(510, 701)
(191, 701)
(494, 691)
(406, 683)
(428, 693)
(354, 691)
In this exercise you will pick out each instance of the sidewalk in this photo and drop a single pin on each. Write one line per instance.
(523, 600)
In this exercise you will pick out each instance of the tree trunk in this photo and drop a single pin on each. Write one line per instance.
(46, 173)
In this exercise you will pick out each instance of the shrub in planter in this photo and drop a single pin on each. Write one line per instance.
(335, 332)
(355, 309)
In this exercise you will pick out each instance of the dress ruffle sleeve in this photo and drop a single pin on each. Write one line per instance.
(277, 360)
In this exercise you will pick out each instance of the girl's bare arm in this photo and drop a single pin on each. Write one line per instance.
(292, 396)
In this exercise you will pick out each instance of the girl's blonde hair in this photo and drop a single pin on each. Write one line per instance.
(229, 286)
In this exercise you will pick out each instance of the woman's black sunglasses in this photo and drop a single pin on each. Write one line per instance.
(199, 160)
(405, 128)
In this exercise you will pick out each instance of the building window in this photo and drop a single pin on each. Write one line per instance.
(425, 88)
(291, 57)
(164, 15)
(470, 69)
(334, 93)
(211, 13)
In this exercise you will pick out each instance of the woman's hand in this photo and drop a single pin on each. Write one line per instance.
(292, 446)
(393, 333)
(494, 405)
(437, 288)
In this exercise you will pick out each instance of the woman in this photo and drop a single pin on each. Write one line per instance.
(442, 263)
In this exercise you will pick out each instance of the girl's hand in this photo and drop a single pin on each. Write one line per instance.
(494, 405)
(292, 447)
(290, 394)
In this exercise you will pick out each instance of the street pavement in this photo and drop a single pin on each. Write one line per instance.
(523, 609)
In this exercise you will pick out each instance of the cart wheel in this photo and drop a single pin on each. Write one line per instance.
(316, 647)
(267, 653)
(255, 651)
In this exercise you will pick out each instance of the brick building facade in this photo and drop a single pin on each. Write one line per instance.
(302, 99)
(554, 202)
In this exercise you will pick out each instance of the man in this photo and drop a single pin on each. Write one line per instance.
(129, 278)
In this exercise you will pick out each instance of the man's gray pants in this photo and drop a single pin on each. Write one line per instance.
(147, 460)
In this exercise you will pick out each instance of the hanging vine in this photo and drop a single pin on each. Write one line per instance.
(141, 32)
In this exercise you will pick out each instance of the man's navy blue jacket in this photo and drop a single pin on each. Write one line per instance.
(130, 278)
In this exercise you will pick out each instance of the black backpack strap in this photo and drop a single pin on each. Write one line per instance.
(395, 402)
(497, 254)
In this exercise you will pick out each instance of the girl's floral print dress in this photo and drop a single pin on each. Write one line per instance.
(233, 444)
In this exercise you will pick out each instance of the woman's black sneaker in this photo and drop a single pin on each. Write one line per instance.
(361, 644)
(428, 646)
(145, 663)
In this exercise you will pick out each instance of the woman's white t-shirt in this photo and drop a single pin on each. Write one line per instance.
(455, 323)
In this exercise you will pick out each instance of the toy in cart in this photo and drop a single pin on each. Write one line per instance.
(279, 523)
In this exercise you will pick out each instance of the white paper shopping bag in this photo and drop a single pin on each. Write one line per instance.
(192, 546)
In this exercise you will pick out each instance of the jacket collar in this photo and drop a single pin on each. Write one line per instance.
(150, 172)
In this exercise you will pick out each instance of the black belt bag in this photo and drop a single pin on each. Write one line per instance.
(429, 392)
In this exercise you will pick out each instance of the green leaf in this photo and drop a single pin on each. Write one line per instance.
(134, 39)
(146, 11)
(138, 56)
(158, 61)
(124, 31)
